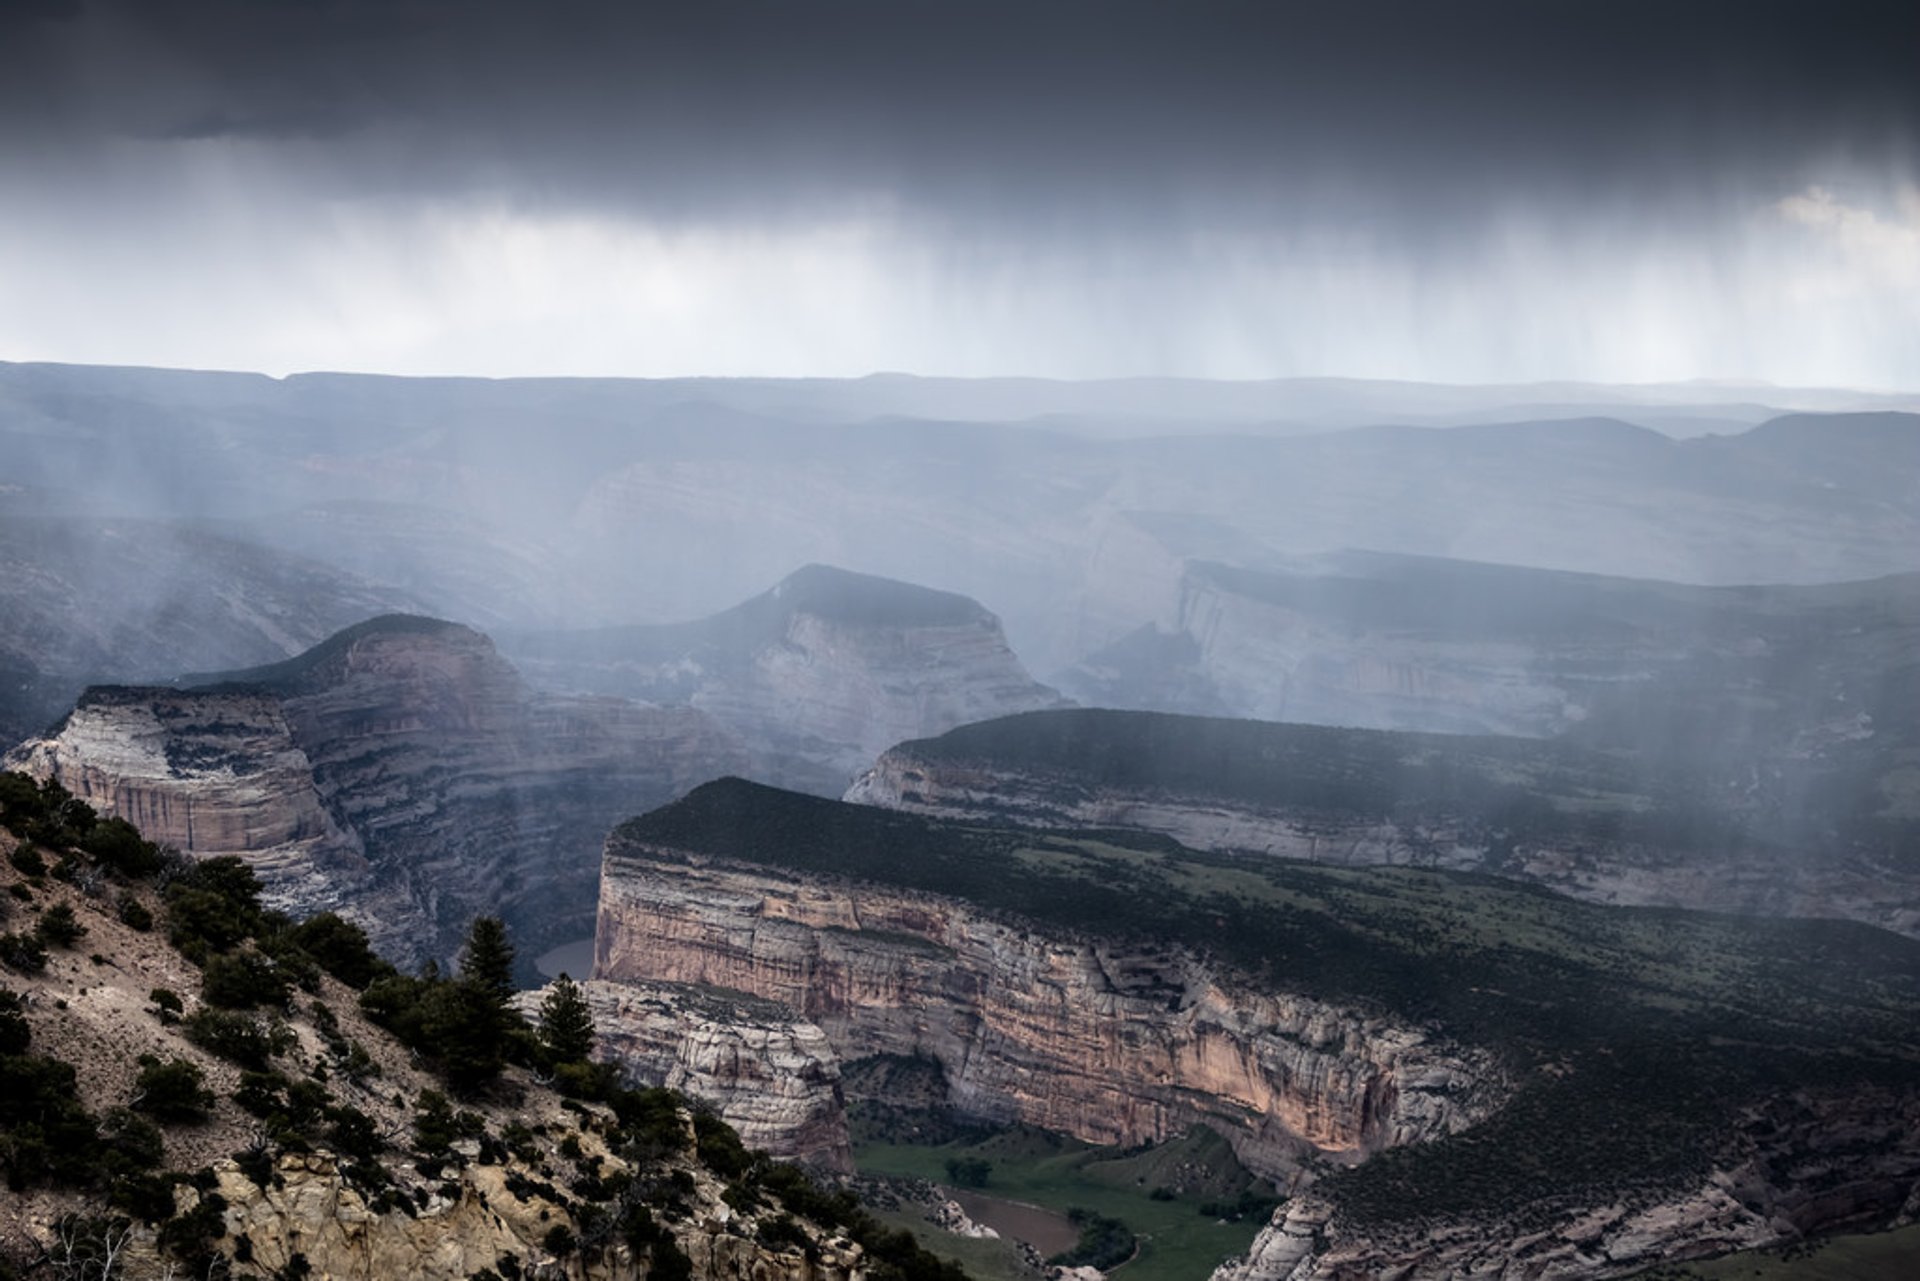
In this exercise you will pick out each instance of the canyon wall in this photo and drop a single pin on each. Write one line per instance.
(1110, 1043)
(1737, 876)
(402, 773)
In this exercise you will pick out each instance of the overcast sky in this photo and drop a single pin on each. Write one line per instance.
(1461, 191)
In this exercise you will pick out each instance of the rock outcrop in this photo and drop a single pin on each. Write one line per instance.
(1813, 1162)
(1107, 1042)
(401, 773)
(770, 1075)
(311, 1210)
(817, 675)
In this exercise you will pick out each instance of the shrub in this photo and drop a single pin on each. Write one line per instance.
(174, 1092)
(969, 1171)
(242, 980)
(238, 1038)
(23, 952)
(59, 927)
(26, 858)
(340, 948)
(118, 844)
(134, 914)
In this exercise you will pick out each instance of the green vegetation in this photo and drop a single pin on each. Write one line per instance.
(1104, 1243)
(1636, 1037)
(1033, 1167)
(174, 1092)
(462, 1025)
(566, 1023)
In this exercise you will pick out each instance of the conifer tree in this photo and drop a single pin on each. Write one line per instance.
(487, 961)
(566, 1022)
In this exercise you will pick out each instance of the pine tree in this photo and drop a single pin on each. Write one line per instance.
(566, 1022)
(487, 961)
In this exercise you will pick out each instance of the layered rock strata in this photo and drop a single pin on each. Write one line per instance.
(1110, 1043)
(771, 1076)
(1096, 786)
(1815, 1161)
(401, 773)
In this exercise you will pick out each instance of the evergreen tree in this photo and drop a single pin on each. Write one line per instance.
(566, 1022)
(487, 961)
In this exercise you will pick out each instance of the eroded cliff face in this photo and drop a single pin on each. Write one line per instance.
(1811, 1162)
(1112, 1044)
(1744, 879)
(770, 1075)
(402, 773)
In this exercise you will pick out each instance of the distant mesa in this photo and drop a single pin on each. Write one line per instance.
(817, 675)
(1602, 825)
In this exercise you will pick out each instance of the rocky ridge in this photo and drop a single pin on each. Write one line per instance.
(401, 773)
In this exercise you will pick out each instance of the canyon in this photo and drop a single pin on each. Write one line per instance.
(1391, 1074)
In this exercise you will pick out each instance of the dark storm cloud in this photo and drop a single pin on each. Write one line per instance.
(1466, 190)
(1128, 111)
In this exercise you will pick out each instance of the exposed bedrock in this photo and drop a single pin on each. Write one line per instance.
(769, 1074)
(1812, 1161)
(401, 773)
(1112, 1044)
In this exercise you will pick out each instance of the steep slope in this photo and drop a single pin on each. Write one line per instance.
(816, 675)
(1500, 1077)
(400, 772)
(140, 1141)
(1607, 826)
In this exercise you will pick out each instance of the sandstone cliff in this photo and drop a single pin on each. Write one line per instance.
(1356, 798)
(771, 1076)
(401, 773)
(816, 676)
(1108, 1042)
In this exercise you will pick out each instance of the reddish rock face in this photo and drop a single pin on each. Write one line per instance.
(1110, 1044)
